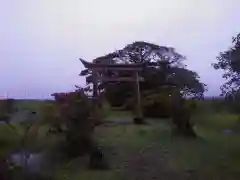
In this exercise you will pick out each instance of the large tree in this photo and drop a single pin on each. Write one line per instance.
(140, 52)
(229, 62)
(163, 66)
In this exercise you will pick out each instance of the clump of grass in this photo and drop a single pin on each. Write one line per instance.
(9, 138)
(216, 121)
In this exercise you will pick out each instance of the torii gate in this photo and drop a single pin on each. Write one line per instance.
(97, 68)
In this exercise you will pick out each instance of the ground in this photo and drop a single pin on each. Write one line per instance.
(151, 152)
(143, 152)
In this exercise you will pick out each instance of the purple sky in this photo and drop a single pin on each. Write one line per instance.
(41, 40)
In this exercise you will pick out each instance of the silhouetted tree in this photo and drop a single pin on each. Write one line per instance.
(163, 65)
(229, 62)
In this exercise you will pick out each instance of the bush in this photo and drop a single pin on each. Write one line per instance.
(51, 116)
(236, 106)
(7, 105)
(191, 104)
(156, 110)
(233, 102)
(157, 105)
(181, 114)
(6, 109)
(76, 113)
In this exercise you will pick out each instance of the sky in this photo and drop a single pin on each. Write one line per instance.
(41, 40)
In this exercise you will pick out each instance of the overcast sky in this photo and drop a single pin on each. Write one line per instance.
(41, 40)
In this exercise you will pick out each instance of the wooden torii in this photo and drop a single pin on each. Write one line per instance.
(97, 68)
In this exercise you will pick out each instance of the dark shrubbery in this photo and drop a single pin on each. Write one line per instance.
(156, 110)
(6, 109)
(51, 116)
(75, 111)
(233, 102)
(181, 116)
(7, 105)
(157, 105)
(168, 103)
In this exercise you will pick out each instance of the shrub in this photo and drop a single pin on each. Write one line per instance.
(156, 110)
(6, 109)
(181, 114)
(7, 105)
(76, 113)
(233, 102)
(236, 106)
(191, 104)
(51, 116)
(157, 105)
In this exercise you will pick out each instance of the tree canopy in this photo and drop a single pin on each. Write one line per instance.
(164, 66)
(229, 62)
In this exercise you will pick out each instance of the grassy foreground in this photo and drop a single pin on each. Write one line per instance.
(149, 151)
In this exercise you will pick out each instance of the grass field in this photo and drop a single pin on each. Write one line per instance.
(151, 152)
(142, 152)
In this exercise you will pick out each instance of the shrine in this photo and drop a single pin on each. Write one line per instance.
(98, 76)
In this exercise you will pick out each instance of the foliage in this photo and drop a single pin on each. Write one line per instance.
(7, 143)
(164, 66)
(141, 52)
(188, 82)
(51, 116)
(6, 109)
(10, 142)
(7, 105)
(157, 103)
(229, 62)
(118, 96)
(73, 105)
(181, 115)
(75, 111)
(21, 138)
(233, 101)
